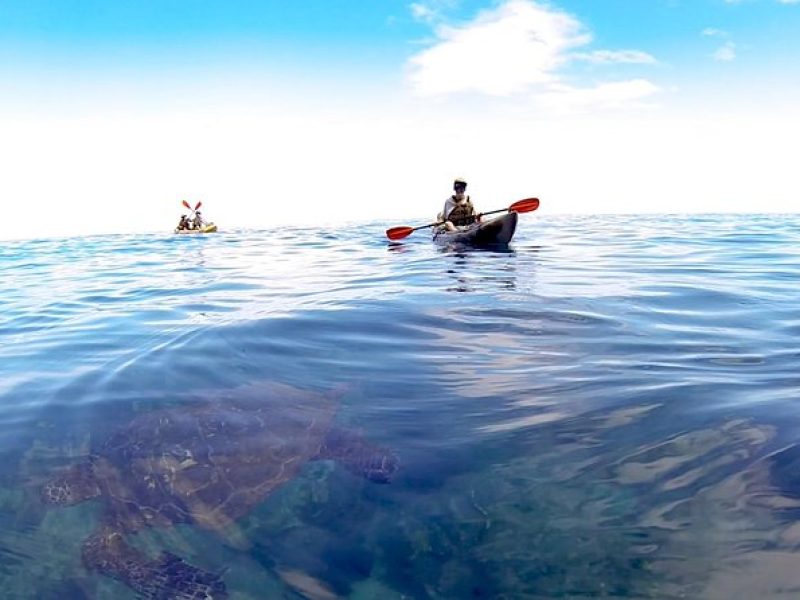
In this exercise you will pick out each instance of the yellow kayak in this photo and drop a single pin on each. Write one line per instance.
(209, 228)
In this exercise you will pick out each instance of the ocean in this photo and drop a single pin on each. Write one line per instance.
(607, 408)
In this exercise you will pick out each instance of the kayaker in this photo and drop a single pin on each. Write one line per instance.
(184, 223)
(458, 209)
(197, 223)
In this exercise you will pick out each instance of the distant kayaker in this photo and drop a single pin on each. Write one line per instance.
(458, 209)
(197, 223)
(184, 223)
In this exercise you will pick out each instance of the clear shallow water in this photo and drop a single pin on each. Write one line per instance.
(607, 409)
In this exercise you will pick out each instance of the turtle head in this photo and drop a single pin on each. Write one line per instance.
(381, 467)
(357, 455)
(71, 486)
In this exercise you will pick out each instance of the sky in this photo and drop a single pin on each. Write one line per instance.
(320, 113)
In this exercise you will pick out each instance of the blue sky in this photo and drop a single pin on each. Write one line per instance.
(254, 106)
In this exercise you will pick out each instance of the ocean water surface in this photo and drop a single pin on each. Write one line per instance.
(607, 408)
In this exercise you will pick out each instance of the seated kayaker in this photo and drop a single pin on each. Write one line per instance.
(458, 209)
(184, 223)
(197, 223)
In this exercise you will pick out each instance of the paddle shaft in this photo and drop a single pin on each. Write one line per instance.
(492, 212)
(488, 212)
(522, 206)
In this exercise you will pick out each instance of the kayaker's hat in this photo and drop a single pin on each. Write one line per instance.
(459, 183)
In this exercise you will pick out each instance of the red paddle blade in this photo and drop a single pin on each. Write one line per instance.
(527, 205)
(186, 204)
(196, 206)
(398, 233)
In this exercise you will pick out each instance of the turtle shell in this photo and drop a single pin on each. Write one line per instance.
(208, 463)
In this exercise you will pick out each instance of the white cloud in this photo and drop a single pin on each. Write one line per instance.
(431, 10)
(726, 52)
(618, 94)
(602, 57)
(422, 12)
(522, 47)
(503, 51)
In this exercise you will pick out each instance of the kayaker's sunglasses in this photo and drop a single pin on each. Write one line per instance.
(460, 187)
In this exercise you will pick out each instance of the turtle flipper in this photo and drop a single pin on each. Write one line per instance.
(359, 456)
(167, 577)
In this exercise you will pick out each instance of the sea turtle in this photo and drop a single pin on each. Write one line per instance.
(206, 463)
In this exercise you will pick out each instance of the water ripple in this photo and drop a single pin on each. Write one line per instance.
(607, 408)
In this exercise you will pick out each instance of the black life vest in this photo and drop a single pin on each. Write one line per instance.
(462, 214)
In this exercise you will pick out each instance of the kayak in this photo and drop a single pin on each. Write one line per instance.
(494, 232)
(210, 228)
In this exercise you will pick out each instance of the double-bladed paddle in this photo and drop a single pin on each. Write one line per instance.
(520, 206)
(196, 206)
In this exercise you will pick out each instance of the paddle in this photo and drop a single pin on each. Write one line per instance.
(196, 206)
(520, 206)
